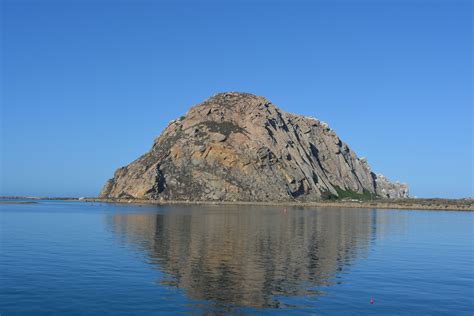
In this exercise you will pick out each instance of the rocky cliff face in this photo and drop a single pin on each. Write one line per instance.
(241, 147)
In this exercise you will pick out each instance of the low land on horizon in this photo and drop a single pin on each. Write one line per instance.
(465, 204)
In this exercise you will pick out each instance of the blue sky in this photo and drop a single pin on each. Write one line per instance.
(87, 85)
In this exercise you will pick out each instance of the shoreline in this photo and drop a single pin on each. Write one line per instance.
(434, 204)
(405, 204)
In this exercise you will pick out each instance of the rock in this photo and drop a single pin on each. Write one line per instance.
(240, 147)
(217, 137)
(390, 190)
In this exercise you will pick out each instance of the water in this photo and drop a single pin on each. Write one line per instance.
(81, 258)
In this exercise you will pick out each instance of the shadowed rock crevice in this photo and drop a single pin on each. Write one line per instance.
(240, 147)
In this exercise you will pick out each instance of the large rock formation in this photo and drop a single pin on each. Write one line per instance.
(240, 147)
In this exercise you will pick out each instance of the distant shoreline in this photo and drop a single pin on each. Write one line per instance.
(415, 204)
(404, 204)
(18, 202)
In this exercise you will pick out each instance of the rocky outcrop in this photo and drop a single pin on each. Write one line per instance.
(241, 147)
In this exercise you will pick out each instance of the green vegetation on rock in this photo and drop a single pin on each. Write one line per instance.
(348, 194)
(224, 128)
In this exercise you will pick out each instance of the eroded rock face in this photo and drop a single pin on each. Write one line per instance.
(240, 147)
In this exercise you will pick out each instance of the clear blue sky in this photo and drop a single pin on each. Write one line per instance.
(87, 84)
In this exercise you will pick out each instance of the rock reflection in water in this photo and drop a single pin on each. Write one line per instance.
(245, 256)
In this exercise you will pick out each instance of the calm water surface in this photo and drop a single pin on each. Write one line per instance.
(80, 258)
